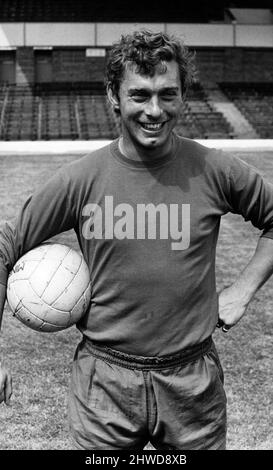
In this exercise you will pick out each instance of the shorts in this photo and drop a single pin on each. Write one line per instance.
(119, 401)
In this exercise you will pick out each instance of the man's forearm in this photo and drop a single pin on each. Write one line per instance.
(234, 300)
(258, 270)
(2, 301)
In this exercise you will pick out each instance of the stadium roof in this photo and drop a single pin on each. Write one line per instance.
(120, 10)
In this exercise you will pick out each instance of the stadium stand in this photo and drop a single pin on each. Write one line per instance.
(255, 101)
(56, 92)
(121, 10)
(18, 113)
(95, 117)
(199, 118)
(55, 111)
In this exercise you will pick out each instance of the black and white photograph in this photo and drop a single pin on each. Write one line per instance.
(136, 229)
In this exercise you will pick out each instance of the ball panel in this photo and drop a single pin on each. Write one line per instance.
(34, 322)
(15, 292)
(49, 328)
(57, 250)
(32, 311)
(23, 269)
(28, 297)
(73, 292)
(46, 269)
(28, 318)
(20, 311)
(61, 283)
(46, 312)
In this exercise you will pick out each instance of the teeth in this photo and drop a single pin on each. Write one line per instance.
(152, 127)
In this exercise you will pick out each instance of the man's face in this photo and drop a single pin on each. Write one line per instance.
(150, 106)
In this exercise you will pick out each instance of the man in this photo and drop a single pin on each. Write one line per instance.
(146, 210)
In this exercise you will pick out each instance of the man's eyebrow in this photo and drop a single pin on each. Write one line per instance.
(170, 88)
(145, 90)
(137, 90)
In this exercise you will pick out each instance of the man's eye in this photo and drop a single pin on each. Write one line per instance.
(168, 96)
(139, 97)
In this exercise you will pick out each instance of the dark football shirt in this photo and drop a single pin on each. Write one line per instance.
(148, 232)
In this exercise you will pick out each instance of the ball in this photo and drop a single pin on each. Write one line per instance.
(49, 287)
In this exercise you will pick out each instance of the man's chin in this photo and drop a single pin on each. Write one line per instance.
(151, 142)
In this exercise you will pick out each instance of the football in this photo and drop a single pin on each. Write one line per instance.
(49, 287)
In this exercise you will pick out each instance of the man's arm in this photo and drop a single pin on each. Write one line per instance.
(47, 212)
(5, 377)
(233, 300)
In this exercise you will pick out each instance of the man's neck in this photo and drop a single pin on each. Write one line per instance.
(133, 152)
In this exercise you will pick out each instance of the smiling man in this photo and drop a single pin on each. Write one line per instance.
(149, 106)
(146, 210)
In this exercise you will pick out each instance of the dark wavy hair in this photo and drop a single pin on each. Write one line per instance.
(147, 50)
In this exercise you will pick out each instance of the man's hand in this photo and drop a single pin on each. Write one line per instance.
(232, 306)
(5, 385)
(233, 300)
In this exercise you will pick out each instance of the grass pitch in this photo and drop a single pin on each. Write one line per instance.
(41, 363)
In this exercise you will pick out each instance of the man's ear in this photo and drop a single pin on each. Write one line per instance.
(113, 99)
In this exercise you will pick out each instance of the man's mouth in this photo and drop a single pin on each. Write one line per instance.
(152, 127)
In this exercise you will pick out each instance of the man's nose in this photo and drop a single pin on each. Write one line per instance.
(153, 108)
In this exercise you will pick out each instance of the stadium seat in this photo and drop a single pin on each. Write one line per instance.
(71, 111)
(255, 101)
